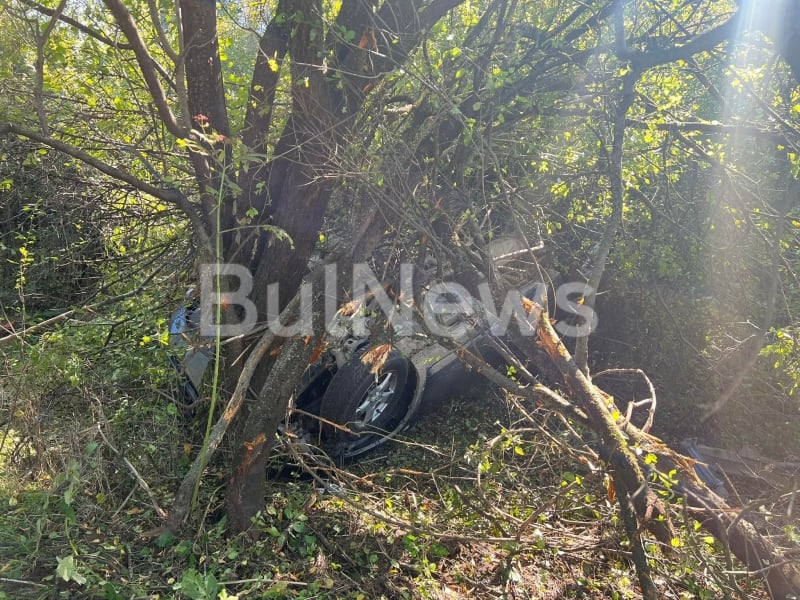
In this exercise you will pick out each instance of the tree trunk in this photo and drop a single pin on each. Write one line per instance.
(292, 191)
(245, 492)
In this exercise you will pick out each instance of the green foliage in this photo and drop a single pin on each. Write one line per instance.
(197, 586)
(500, 122)
(50, 245)
(785, 353)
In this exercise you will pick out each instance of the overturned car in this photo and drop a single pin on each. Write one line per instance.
(361, 392)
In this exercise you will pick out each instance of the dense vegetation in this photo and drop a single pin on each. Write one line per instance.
(650, 148)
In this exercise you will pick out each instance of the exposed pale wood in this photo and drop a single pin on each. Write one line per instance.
(781, 574)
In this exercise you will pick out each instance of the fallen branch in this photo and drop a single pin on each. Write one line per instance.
(781, 576)
(598, 407)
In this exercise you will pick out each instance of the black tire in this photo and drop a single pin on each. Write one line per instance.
(364, 407)
(313, 383)
(304, 422)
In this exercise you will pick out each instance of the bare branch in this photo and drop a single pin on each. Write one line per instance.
(171, 195)
(41, 41)
(162, 36)
(715, 128)
(751, 350)
(650, 402)
(705, 42)
(180, 72)
(18, 335)
(617, 202)
(147, 65)
(93, 33)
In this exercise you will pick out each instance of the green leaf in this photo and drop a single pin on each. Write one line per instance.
(69, 494)
(67, 570)
(165, 539)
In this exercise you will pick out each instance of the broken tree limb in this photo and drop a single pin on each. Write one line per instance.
(781, 575)
(598, 406)
(536, 392)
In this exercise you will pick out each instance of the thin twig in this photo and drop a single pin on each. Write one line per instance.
(22, 582)
(139, 479)
(631, 405)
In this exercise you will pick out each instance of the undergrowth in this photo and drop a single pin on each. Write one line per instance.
(485, 498)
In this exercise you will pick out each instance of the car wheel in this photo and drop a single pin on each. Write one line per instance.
(313, 383)
(364, 407)
(303, 419)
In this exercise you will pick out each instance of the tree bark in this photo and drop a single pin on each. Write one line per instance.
(598, 406)
(208, 114)
(246, 488)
